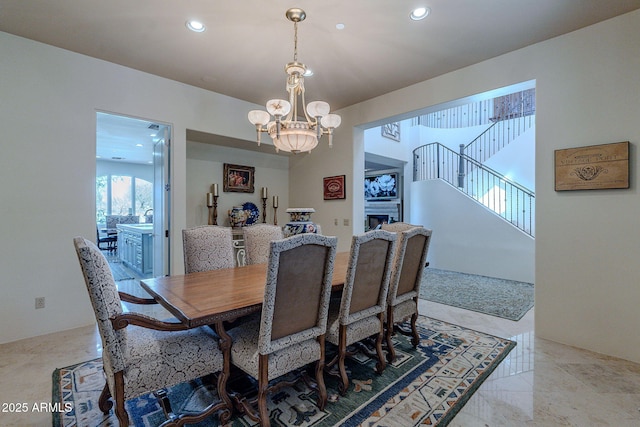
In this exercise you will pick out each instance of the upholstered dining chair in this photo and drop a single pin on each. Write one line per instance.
(291, 331)
(142, 354)
(257, 241)
(207, 247)
(404, 289)
(360, 313)
(398, 226)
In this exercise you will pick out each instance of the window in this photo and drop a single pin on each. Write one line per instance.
(122, 195)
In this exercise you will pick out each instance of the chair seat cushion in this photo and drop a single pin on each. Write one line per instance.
(356, 331)
(158, 359)
(404, 310)
(244, 352)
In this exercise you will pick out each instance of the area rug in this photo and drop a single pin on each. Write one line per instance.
(497, 297)
(120, 272)
(424, 386)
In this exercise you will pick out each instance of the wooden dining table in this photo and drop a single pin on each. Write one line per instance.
(209, 297)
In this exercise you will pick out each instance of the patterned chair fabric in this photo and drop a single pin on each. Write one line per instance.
(138, 360)
(290, 333)
(406, 278)
(398, 226)
(360, 313)
(207, 247)
(257, 241)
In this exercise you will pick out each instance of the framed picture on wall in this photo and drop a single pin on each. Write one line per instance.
(593, 167)
(333, 187)
(238, 179)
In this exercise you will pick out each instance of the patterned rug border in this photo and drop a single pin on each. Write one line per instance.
(372, 410)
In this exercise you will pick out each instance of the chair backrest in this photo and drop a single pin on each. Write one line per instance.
(409, 263)
(113, 220)
(105, 300)
(398, 226)
(257, 241)
(207, 247)
(297, 291)
(368, 274)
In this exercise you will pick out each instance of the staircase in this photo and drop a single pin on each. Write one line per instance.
(466, 172)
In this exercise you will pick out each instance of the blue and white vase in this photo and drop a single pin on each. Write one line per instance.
(300, 222)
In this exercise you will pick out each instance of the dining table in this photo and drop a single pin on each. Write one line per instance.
(216, 297)
(209, 297)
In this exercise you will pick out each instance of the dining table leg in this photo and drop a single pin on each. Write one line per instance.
(223, 377)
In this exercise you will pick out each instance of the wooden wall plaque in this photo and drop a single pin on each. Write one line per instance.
(594, 167)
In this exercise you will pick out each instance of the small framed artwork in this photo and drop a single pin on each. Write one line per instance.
(594, 167)
(391, 131)
(238, 179)
(333, 187)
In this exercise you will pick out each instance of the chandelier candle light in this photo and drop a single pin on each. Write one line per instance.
(289, 131)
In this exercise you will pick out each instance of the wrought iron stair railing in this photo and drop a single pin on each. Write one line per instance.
(511, 201)
(497, 136)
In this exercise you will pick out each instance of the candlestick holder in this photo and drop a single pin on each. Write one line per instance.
(215, 210)
(264, 210)
(275, 215)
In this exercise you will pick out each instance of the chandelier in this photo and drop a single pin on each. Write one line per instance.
(290, 131)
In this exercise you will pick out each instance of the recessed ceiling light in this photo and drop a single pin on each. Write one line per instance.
(139, 145)
(340, 26)
(195, 26)
(419, 13)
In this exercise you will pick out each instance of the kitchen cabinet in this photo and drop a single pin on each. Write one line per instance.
(135, 247)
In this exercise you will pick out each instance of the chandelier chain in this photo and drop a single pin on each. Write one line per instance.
(295, 41)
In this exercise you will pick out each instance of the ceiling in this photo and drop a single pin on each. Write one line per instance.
(246, 44)
(126, 139)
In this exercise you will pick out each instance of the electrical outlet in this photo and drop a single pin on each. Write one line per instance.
(39, 302)
(345, 222)
(335, 221)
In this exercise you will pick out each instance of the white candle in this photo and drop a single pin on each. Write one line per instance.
(275, 201)
(209, 199)
(264, 192)
(215, 190)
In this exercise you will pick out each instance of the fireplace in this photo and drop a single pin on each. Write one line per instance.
(374, 220)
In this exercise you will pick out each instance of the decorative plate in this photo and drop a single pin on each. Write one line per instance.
(253, 211)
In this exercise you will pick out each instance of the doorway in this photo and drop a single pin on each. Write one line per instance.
(132, 195)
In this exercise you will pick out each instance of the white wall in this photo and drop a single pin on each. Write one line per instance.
(47, 168)
(587, 91)
(516, 161)
(205, 166)
(106, 167)
(468, 237)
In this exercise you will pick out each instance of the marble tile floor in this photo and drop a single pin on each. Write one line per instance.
(540, 383)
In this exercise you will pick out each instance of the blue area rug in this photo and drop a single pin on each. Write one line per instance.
(425, 386)
(497, 297)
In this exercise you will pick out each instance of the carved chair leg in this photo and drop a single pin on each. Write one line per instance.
(104, 403)
(342, 354)
(263, 389)
(322, 389)
(121, 412)
(381, 365)
(391, 352)
(415, 340)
